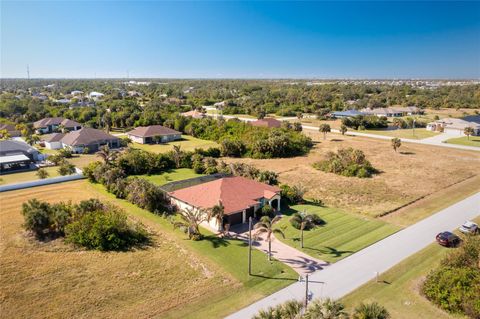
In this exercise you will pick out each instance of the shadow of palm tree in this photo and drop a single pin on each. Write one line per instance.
(217, 241)
(330, 251)
(274, 278)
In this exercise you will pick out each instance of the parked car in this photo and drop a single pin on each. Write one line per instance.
(448, 239)
(469, 227)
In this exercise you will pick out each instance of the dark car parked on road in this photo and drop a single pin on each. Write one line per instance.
(448, 239)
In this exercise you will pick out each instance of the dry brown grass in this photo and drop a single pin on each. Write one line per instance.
(413, 172)
(53, 280)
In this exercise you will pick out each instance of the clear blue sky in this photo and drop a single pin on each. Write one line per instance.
(241, 39)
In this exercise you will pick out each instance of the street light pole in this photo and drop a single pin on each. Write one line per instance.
(306, 291)
(250, 246)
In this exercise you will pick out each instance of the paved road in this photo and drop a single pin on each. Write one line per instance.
(350, 273)
(436, 141)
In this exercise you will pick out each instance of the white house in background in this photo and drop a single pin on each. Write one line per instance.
(453, 126)
(53, 141)
(95, 95)
(76, 93)
(153, 134)
(241, 198)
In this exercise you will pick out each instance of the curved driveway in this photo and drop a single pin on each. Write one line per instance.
(350, 273)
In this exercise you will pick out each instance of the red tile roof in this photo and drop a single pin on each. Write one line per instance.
(267, 122)
(152, 130)
(236, 193)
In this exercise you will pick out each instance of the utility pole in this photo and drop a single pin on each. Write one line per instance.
(306, 291)
(413, 127)
(250, 246)
(28, 72)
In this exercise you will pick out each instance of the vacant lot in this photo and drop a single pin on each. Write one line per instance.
(175, 278)
(26, 176)
(417, 134)
(412, 172)
(171, 176)
(188, 143)
(341, 235)
(472, 141)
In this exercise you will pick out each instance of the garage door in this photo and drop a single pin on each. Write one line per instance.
(235, 219)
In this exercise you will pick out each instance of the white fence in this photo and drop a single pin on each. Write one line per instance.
(47, 181)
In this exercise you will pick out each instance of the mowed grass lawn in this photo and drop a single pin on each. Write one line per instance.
(21, 177)
(420, 133)
(174, 278)
(187, 143)
(171, 176)
(341, 235)
(472, 141)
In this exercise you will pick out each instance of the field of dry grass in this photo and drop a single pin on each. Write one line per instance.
(412, 172)
(52, 280)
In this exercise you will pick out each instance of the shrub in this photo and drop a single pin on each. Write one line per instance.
(347, 162)
(65, 152)
(105, 230)
(144, 194)
(293, 195)
(267, 210)
(42, 173)
(56, 159)
(370, 311)
(37, 216)
(66, 168)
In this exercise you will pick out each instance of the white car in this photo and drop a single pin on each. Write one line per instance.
(469, 227)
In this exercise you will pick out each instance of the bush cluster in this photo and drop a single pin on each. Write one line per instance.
(239, 139)
(90, 224)
(347, 162)
(293, 194)
(365, 122)
(455, 285)
(314, 220)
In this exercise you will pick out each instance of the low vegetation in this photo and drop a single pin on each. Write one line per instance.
(347, 162)
(90, 224)
(455, 285)
(322, 309)
(362, 122)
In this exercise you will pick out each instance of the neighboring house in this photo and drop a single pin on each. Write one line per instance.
(194, 114)
(153, 134)
(267, 122)
(453, 126)
(51, 124)
(95, 95)
(76, 92)
(89, 138)
(16, 155)
(241, 198)
(394, 111)
(348, 113)
(10, 128)
(53, 141)
(63, 101)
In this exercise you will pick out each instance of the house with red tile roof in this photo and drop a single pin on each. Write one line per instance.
(241, 198)
(267, 122)
(153, 134)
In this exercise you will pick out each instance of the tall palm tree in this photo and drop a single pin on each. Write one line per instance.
(217, 212)
(325, 309)
(32, 139)
(468, 131)
(396, 143)
(324, 128)
(266, 225)
(370, 311)
(191, 220)
(306, 221)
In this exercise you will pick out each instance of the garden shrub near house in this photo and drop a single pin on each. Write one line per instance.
(347, 162)
(293, 194)
(66, 168)
(455, 285)
(90, 224)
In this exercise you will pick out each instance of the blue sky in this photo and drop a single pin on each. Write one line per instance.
(241, 39)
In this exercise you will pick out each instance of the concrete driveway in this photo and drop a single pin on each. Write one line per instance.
(350, 273)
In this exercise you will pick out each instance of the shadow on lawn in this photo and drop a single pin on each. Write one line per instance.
(217, 241)
(330, 251)
(274, 278)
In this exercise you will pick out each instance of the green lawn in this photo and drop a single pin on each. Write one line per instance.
(398, 289)
(342, 235)
(171, 176)
(26, 176)
(472, 141)
(188, 143)
(420, 133)
(230, 255)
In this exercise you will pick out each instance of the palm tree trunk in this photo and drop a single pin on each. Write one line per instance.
(302, 237)
(270, 250)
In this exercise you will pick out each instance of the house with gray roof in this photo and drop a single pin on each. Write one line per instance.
(153, 134)
(88, 138)
(16, 155)
(52, 124)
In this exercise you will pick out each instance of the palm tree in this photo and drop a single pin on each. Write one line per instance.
(306, 221)
(370, 311)
(468, 131)
(106, 154)
(266, 225)
(325, 309)
(217, 212)
(4, 135)
(291, 309)
(191, 220)
(324, 128)
(177, 155)
(343, 129)
(396, 143)
(32, 139)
